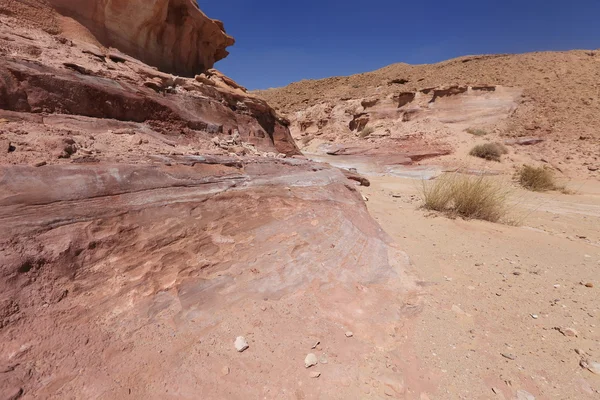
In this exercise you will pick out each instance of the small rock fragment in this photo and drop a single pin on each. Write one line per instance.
(349, 334)
(523, 395)
(534, 316)
(556, 286)
(310, 360)
(323, 359)
(509, 356)
(40, 164)
(315, 345)
(241, 344)
(570, 332)
(315, 374)
(225, 370)
(589, 285)
(592, 366)
(496, 390)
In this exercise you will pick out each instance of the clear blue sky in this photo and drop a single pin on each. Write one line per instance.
(279, 42)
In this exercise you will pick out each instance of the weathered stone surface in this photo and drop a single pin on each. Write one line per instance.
(146, 219)
(173, 35)
(147, 263)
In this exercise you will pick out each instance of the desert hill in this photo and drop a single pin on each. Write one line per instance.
(553, 96)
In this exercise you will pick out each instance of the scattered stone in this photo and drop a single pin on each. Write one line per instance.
(349, 334)
(534, 316)
(40, 164)
(323, 359)
(315, 345)
(570, 332)
(593, 168)
(11, 148)
(365, 198)
(524, 395)
(556, 286)
(310, 360)
(592, 366)
(76, 67)
(315, 374)
(241, 344)
(589, 285)
(225, 370)
(509, 356)
(459, 311)
(516, 273)
(263, 308)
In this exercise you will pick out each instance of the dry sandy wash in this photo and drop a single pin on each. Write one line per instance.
(163, 237)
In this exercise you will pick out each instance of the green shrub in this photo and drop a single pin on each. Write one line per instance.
(476, 197)
(538, 179)
(489, 151)
(477, 132)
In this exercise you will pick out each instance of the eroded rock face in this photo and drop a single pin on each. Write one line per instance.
(46, 75)
(173, 35)
(148, 272)
(147, 220)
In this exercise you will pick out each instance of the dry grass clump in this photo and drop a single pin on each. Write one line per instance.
(477, 131)
(366, 131)
(471, 197)
(537, 179)
(489, 151)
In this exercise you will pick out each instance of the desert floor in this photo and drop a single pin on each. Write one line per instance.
(496, 297)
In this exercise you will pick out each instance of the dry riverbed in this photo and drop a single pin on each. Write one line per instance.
(506, 311)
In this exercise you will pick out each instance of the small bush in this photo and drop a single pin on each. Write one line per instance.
(472, 197)
(538, 179)
(366, 131)
(477, 132)
(489, 151)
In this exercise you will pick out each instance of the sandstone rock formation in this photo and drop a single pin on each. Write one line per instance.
(147, 220)
(173, 35)
(123, 279)
(43, 76)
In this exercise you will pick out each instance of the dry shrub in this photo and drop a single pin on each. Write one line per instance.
(471, 197)
(489, 151)
(477, 132)
(366, 131)
(538, 179)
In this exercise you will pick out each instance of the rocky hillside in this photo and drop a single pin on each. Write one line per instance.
(550, 96)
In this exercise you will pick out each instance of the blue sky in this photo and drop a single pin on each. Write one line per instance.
(279, 42)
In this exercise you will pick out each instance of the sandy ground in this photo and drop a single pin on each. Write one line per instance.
(494, 294)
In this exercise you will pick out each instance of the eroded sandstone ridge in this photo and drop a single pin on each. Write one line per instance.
(173, 35)
(148, 220)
